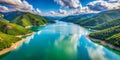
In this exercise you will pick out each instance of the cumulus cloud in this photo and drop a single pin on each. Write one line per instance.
(74, 5)
(104, 5)
(52, 12)
(18, 5)
(92, 7)
(99, 5)
(3, 8)
(85, 10)
(62, 11)
(69, 3)
(37, 11)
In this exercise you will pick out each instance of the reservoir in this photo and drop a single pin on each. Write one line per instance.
(60, 41)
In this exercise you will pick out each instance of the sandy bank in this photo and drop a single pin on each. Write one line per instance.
(14, 46)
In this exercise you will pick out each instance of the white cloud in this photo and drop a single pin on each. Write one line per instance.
(92, 7)
(62, 11)
(74, 5)
(37, 11)
(3, 9)
(69, 3)
(104, 5)
(18, 5)
(52, 12)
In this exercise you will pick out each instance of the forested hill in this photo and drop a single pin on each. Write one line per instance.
(111, 35)
(28, 19)
(15, 26)
(107, 24)
(77, 18)
(8, 33)
(101, 18)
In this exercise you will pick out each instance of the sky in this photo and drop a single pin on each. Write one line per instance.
(59, 7)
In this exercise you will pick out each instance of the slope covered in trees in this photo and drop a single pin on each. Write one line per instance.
(12, 29)
(111, 35)
(77, 18)
(107, 24)
(28, 19)
(7, 40)
(91, 20)
(101, 18)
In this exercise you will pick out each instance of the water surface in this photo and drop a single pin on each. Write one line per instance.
(61, 41)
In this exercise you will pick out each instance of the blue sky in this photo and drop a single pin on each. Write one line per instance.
(59, 7)
(50, 5)
(44, 5)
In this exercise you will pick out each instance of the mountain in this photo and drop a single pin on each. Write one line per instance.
(11, 15)
(53, 17)
(8, 33)
(101, 18)
(77, 18)
(29, 19)
(12, 29)
(107, 24)
(110, 35)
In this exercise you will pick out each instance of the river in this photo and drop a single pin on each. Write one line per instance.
(60, 41)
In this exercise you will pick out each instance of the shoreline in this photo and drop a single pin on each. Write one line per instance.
(15, 45)
(102, 42)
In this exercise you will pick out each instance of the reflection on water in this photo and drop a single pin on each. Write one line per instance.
(61, 41)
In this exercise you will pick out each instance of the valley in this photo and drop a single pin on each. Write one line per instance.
(106, 31)
(59, 29)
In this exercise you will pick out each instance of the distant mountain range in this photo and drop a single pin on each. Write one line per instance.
(93, 19)
(77, 18)
(101, 18)
(53, 17)
(11, 15)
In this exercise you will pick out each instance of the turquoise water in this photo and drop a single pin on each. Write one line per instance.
(60, 41)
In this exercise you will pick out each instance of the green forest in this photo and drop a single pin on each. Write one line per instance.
(9, 29)
(109, 35)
